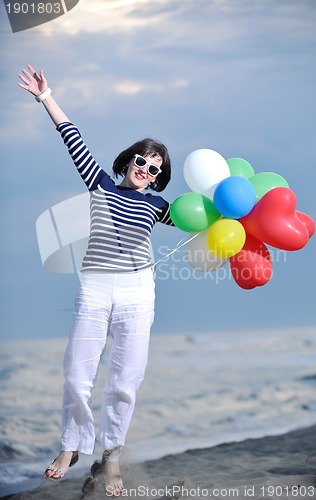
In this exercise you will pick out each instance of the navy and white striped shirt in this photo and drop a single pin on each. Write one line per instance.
(121, 219)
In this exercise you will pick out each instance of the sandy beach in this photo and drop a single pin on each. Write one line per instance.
(267, 468)
(216, 394)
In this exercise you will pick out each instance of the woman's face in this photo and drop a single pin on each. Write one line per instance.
(138, 178)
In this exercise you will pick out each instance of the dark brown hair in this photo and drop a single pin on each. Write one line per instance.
(150, 147)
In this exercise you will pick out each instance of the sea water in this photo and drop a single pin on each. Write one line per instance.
(200, 389)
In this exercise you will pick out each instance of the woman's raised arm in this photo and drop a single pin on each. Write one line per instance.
(38, 86)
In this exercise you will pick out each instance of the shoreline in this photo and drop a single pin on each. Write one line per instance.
(200, 391)
(278, 466)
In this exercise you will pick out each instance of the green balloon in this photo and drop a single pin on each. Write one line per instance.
(193, 212)
(238, 166)
(265, 181)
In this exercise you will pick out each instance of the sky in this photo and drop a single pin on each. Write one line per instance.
(235, 76)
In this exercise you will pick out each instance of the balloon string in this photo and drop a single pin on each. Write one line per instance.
(175, 249)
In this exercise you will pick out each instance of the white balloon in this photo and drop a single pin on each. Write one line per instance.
(199, 256)
(203, 170)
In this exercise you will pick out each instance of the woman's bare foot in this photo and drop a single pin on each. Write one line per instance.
(60, 465)
(112, 473)
(106, 473)
(113, 479)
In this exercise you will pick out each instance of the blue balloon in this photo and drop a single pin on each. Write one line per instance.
(234, 197)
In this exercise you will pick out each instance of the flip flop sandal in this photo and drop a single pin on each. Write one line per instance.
(61, 474)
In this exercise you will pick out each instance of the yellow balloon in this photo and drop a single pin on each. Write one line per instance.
(226, 237)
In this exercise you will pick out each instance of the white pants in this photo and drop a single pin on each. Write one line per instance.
(120, 305)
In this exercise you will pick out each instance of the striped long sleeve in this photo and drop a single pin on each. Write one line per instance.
(121, 219)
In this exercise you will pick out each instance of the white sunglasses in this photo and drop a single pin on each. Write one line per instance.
(141, 162)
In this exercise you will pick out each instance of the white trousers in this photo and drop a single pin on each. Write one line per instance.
(120, 305)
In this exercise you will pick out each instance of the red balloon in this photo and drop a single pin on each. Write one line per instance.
(251, 266)
(274, 221)
(244, 284)
(307, 221)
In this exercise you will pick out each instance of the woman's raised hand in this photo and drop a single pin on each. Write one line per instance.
(32, 82)
(36, 85)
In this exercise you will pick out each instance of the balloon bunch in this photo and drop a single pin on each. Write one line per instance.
(234, 213)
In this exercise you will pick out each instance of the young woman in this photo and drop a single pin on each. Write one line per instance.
(117, 290)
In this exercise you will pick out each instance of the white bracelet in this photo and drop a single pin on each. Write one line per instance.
(43, 95)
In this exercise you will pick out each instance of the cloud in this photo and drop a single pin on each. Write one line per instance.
(20, 122)
(112, 16)
(237, 77)
(136, 87)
